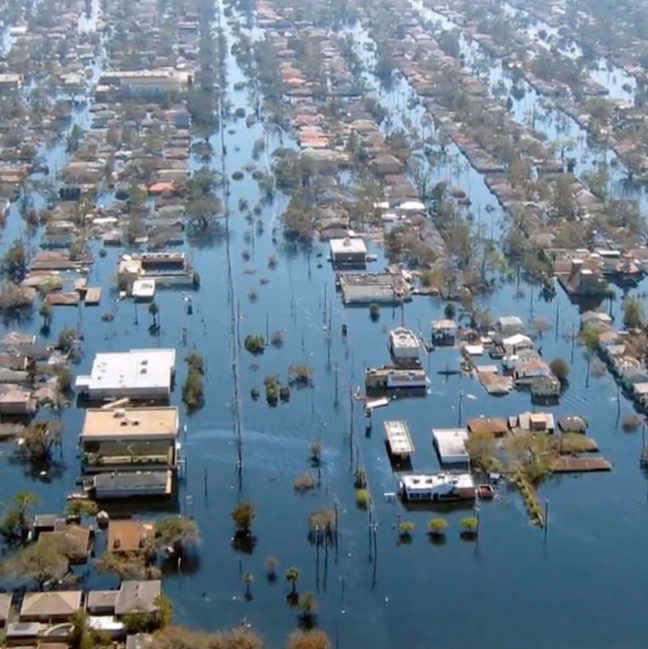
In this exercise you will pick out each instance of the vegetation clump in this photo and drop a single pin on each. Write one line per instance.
(363, 498)
(254, 344)
(192, 390)
(560, 369)
(304, 482)
(630, 423)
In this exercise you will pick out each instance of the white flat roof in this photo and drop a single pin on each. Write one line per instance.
(398, 437)
(424, 482)
(404, 338)
(130, 422)
(451, 444)
(348, 245)
(137, 368)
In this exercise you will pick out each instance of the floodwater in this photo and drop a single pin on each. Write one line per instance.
(578, 586)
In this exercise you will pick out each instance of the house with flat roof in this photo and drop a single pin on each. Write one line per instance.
(129, 439)
(129, 535)
(348, 252)
(133, 484)
(136, 374)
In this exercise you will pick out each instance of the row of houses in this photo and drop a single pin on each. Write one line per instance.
(45, 616)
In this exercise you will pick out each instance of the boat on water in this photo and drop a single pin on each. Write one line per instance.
(439, 487)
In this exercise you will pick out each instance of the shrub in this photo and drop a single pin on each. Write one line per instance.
(630, 423)
(559, 368)
(254, 344)
(437, 526)
(304, 482)
(363, 498)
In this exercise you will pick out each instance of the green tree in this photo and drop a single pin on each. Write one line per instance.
(45, 312)
(292, 577)
(633, 314)
(14, 263)
(15, 518)
(437, 526)
(154, 312)
(176, 532)
(80, 508)
(38, 563)
(449, 311)
(39, 440)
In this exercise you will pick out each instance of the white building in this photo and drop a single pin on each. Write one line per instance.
(451, 445)
(10, 81)
(516, 344)
(439, 487)
(138, 373)
(507, 325)
(349, 251)
(403, 343)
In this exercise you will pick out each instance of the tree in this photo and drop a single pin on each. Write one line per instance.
(248, 579)
(308, 606)
(405, 531)
(243, 516)
(633, 314)
(437, 526)
(311, 639)
(292, 577)
(45, 312)
(42, 563)
(14, 263)
(128, 565)
(38, 441)
(449, 311)
(66, 339)
(79, 508)
(271, 569)
(469, 526)
(15, 519)
(374, 311)
(154, 310)
(560, 369)
(176, 532)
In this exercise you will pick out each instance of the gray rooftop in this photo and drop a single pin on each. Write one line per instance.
(138, 596)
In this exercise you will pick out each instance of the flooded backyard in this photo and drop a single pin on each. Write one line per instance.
(370, 586)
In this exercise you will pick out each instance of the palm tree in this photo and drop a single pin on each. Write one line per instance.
(243, 515)
(308, 606)
(271, 569)
(154, 310)
(292, 577)
(45, 312)
(248, 578)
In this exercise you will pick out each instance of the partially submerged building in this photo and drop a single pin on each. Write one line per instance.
(135, 374)
(348, 252)
(165, 268)
(129, 439)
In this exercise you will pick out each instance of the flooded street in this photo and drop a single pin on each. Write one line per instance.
(396, 593)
